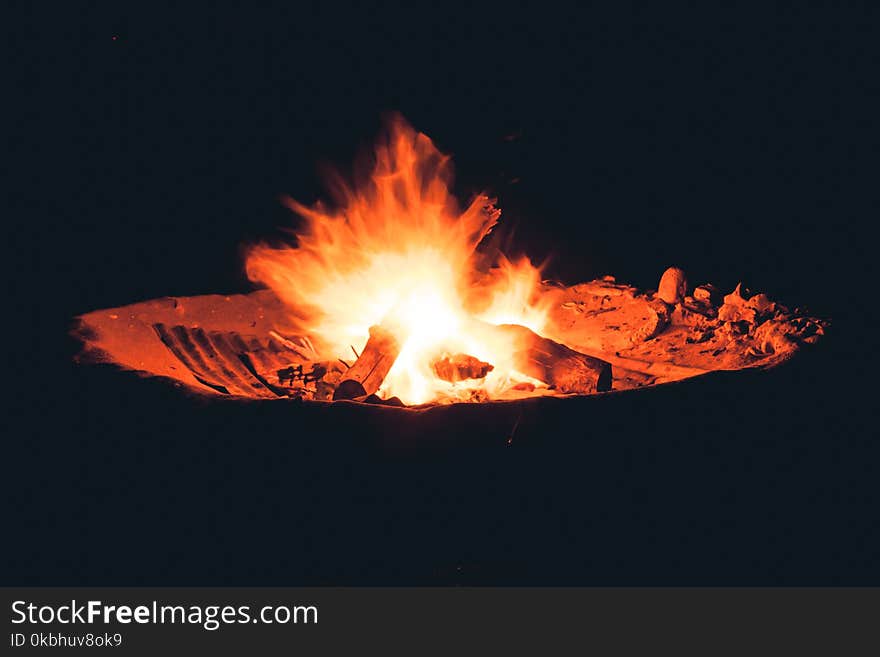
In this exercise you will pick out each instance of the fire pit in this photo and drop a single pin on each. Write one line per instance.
(397, 297)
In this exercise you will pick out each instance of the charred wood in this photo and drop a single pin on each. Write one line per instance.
(368, 372)
(460, 367)
(558, 366)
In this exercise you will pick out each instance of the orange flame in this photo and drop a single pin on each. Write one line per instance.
(398, 251)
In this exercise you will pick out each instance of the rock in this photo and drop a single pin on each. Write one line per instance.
(707, 293)
(673, 286)
(655, 324)
(736, 308)
(761, 304)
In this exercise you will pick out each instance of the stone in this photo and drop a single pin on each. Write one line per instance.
(673, 286)
(707, 293)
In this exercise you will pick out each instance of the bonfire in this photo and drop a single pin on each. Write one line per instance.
(391, 293)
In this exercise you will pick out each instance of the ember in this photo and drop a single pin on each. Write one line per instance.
(459, 367)
(394, 278)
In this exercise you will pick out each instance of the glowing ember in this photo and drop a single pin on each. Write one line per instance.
(399, 252)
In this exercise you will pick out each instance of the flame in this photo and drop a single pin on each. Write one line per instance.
(398, 251)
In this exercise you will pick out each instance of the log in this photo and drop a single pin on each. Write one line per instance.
(372, 366)
(560, 367)
(557, 365)
(460, 367)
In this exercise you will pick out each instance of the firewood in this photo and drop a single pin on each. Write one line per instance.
(372, 366)
(560, 367)
(459, 367)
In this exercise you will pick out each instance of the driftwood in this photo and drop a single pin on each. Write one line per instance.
(555, 364)
(372, 366)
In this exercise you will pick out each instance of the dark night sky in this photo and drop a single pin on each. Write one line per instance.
(734, 144)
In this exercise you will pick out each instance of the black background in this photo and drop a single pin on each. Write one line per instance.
(738, 144)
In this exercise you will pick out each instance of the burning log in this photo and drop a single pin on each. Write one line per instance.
(555, 364)
(460, 367)
(372, 366)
